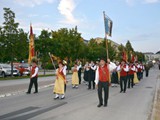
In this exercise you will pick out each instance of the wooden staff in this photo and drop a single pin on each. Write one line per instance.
(52, 60)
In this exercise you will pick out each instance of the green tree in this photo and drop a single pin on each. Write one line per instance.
(67, 43)
(10, 29)
(121, 48)
(43, 46)
(129, 50)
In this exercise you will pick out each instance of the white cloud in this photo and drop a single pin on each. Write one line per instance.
(66, 8)
(32, 3)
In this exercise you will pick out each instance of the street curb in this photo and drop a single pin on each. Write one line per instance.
(153, 112)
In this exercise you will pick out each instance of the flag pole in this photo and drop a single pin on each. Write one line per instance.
(106, 36)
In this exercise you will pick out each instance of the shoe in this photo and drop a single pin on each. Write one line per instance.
(99, 105)
(105, 105)
(62, 98)
(56, 98)
(35, 92)
(121, 91)
(124, 91)
(28, 93)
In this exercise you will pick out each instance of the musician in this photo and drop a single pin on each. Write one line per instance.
(132, 70)
(123, 68)
(34, 76)
(102, 80)
(60, 83)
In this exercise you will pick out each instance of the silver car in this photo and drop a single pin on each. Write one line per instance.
(5, 70)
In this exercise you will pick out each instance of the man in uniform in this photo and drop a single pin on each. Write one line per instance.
(102, 81)
(34, 76)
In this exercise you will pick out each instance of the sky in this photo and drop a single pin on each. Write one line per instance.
(135, 20)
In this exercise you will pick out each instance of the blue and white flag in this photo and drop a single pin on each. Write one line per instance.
(108, 25)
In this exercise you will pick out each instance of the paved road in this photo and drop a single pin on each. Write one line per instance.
(80, 104)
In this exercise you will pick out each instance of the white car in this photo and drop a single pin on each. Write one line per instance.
(5, 70)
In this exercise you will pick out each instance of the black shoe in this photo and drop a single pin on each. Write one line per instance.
(35, 92)
(99, 105)
(124, 91)
(28, 93)
(121, 91)
(105, 105)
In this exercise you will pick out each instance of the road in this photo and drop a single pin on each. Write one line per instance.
(81, 104)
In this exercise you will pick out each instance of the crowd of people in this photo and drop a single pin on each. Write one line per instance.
(100, 74)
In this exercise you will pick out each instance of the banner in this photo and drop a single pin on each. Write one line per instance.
(108, 25)
(31, 46)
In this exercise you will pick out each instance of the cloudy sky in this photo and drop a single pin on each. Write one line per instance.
(134, 20)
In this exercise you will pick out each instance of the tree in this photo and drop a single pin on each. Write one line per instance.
(43, 46)
(67, 43)
(21, 46)
(10, 29)
(129, 49)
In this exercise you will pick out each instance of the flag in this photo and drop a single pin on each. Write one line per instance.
(31, 46)
(124, 56)
(108, 25)
(132, 57)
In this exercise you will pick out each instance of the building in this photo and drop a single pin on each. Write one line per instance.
(113, 44)
(149, 56)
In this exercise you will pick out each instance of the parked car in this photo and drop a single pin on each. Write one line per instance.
(5, 70)
(23, 68)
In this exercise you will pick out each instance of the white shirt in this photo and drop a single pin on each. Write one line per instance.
(133, 68)
(93, 67)
(79, 66)
(125, 69)
(111, 67)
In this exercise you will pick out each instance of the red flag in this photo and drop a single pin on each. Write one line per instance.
(124, 56)
(31, 46)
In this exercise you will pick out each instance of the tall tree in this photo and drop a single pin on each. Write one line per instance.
(43, 47)
(11, 33)
(129, 49)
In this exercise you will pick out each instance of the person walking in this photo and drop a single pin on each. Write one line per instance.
(79, 70)
(132, 70)
(92, 75)
(33, 76)
(123, 68)
(60, 83)
(102, 81)
(75, 80)
(147, 69)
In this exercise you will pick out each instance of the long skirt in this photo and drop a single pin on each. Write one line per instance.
(135, 78)
(75, 79)
(59, 86)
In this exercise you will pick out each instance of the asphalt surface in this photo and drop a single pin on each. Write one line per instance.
(81, 104)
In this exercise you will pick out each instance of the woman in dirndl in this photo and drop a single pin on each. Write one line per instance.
(75, 79)
(60, 83)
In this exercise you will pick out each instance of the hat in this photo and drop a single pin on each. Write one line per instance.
(64, 62)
